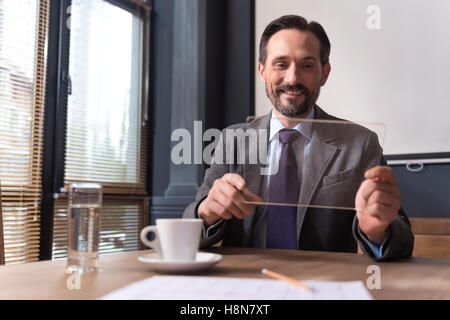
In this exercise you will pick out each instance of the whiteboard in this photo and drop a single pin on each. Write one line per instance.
(398, 74)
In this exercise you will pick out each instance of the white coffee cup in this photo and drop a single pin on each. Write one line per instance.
(175, 239)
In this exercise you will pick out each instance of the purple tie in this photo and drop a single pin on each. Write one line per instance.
(282, 220)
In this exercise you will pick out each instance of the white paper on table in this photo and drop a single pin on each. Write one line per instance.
(219, 288)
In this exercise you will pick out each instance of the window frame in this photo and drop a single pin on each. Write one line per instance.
(55, 124)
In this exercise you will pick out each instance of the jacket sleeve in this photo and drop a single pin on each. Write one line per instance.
(399, 244)
(400, 240)
(217, 169)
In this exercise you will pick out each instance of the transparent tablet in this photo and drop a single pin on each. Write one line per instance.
(330, 159)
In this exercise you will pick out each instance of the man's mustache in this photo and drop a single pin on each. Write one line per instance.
(288, 87)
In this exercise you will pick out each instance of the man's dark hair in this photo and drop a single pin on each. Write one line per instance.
(299, 23)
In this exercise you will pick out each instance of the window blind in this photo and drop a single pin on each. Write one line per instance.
(2, 254)
(23, 35)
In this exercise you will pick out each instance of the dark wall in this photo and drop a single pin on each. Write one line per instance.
(161, 90)
(229, 62)
(240, 62)
(215, 68)
(226, 47)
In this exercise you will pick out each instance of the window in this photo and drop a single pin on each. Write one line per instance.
(23, 34)
(104, 108)
(105, 138)
(97, 81)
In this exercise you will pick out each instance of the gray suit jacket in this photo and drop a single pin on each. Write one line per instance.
(338, 157)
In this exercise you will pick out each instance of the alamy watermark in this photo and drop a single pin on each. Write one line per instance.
(373, 21)
(73, 282)
(69, 18)
(373, 281)
(230, 146)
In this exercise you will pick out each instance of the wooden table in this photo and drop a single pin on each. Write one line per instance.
(415, 278)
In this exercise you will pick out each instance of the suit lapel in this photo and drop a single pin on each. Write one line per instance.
(321, 153)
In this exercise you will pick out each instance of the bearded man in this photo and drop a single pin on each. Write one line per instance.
(315, 164)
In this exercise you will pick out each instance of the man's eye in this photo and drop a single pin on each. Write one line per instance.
(280, 65)
(307, 66)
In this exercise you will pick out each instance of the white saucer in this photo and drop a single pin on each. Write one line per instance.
(203, 261)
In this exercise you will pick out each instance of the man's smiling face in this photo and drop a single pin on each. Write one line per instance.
(292, 72)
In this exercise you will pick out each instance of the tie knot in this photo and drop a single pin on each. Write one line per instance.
(288, 135)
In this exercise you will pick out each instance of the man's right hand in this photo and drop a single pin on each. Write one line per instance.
(226, 199)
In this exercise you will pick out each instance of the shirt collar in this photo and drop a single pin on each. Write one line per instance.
(276, 126)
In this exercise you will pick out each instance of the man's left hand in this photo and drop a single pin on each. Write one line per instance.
(377, 203)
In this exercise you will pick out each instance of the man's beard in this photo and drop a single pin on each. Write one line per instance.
(290, 109)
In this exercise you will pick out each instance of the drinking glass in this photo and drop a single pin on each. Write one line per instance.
(85, 202)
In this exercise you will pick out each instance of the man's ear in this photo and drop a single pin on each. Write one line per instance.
(262, 72)
(325, 73)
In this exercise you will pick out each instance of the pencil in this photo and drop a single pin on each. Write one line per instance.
(290, 280)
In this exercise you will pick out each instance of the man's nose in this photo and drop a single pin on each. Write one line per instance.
(292, 76)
